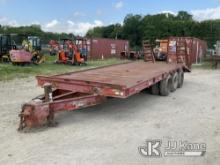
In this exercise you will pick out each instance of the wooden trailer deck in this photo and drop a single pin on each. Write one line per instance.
(122, 80)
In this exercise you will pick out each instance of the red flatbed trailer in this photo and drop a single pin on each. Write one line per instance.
(86, 88)
(120, 81)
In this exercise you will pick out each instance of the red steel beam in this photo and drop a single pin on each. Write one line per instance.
(37, 112)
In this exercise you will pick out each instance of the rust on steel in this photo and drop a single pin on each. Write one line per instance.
(76, 90)
(38, 112)
(104, 80)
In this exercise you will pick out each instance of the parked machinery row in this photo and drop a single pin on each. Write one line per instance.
(29, 52)
(68, 51)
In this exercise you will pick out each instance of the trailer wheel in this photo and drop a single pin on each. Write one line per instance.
(180, 79)
(155, 89)
(175, 80)
(165, 86)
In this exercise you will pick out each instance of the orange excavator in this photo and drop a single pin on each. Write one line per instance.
(69, 53)
(53, 47)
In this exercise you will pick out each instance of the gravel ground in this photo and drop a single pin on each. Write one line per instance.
(112, 132)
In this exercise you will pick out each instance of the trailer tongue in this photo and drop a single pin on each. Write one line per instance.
(76, 90)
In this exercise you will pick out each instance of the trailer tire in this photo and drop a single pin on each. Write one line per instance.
(165, 86)
(180, 79)
(155, 89)
(175, 81)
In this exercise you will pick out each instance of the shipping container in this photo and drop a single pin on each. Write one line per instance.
(195, 48)
(99, 48)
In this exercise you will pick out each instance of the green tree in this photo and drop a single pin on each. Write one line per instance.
(132, 29)
(184, 16)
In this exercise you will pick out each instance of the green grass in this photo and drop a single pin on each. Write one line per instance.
(9, 72)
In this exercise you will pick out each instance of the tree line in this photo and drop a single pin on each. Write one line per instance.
(22, 32)
(137, 28)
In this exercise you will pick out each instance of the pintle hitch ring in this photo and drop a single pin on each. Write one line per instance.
(24, 113)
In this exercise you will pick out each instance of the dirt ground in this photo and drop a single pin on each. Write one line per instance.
(112, 132)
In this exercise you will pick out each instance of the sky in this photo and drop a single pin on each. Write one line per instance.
(78, 16)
